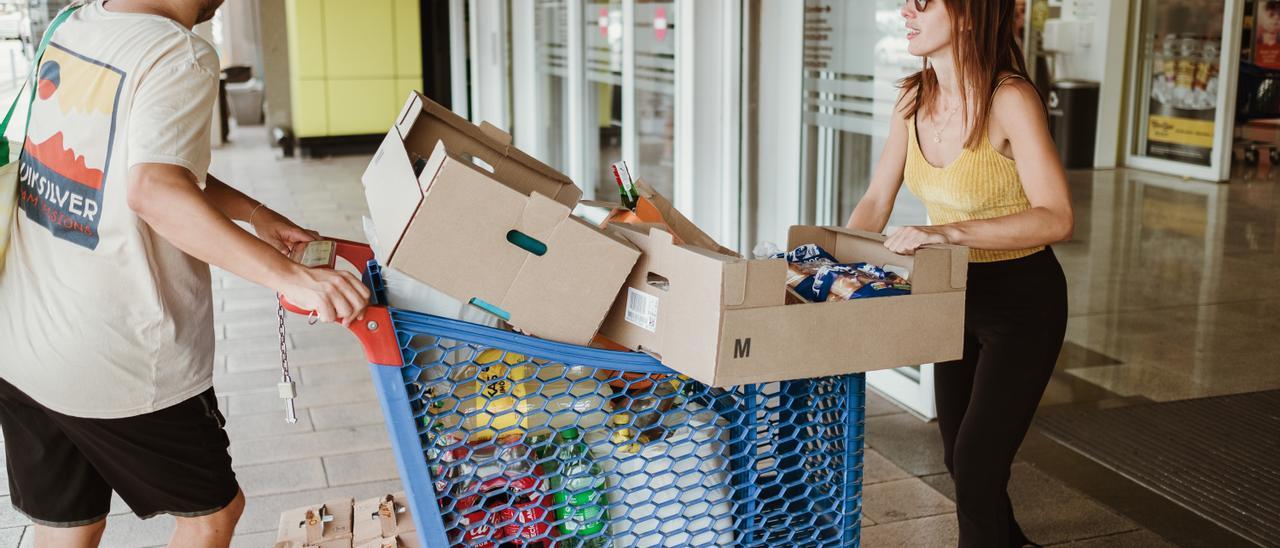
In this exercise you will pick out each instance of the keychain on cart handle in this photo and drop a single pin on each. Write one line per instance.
(321, 253)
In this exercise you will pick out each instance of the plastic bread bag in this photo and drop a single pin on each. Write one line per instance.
(816, 276)
(808, 253)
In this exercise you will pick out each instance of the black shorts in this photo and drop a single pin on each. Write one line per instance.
(63, 469)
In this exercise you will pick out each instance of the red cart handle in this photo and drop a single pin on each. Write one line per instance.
(375, 332)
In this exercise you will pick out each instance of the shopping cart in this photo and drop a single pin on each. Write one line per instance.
(508, 440)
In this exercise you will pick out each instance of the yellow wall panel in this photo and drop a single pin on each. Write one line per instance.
(408, 37)
(359, 39)
(362, 106)
(352, 64)
(310, 108)
(304, 20)
(403, 87)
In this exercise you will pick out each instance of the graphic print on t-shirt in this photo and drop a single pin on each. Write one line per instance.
(68, 148)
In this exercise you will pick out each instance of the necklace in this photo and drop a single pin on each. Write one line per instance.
(937, 131)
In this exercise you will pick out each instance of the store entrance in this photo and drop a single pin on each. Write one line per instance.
(848, 101)
(583, 84)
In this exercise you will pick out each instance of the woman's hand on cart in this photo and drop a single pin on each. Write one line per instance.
(334, 295)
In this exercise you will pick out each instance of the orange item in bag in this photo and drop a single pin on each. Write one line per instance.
(654, 208)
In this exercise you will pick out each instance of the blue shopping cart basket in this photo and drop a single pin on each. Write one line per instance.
(508, 440)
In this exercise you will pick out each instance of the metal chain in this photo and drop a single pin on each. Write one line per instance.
(284, 344)
(287, 388)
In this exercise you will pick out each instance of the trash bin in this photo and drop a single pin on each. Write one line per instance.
(1073, 113)
(246, 102)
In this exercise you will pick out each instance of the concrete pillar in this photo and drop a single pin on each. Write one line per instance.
(274, 49)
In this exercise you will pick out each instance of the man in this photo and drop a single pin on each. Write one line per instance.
(106, 324)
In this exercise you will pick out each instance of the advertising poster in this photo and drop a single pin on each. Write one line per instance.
(1184, 53)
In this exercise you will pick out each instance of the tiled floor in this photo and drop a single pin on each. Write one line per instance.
(1175, 282)
(1173, 296)
(908, 496)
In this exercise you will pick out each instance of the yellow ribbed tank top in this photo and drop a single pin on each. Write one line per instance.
(979, 184)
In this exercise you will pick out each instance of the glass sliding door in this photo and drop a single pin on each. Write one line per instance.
(655, 89)
(594, 82)
(854, 55)
(489, 29)
(551, 83)
(602, 105)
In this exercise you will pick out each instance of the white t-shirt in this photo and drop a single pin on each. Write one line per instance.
(101, 317)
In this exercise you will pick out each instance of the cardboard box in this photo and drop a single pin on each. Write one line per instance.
(325, 525)
(394, 190)
(487, 225)
(654, 208)
(384, 521)
(398, 541)
(724, 321)
(385, 516)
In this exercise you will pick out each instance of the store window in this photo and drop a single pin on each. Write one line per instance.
(594, 82)
(602, 39)
(855, 53)
(854, 56)
(655, 62)
(551, 38)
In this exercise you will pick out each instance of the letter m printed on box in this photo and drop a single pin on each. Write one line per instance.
(742, 348)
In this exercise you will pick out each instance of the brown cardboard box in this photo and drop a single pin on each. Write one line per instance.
(393, 191)
(325, 525)
(492, 227)
(654, 208)
(398, 541)
(380, 520)
(724, 321)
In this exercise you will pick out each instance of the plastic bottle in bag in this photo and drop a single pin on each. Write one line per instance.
(576, 487)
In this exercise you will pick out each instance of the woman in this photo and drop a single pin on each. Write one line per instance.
(970, 139)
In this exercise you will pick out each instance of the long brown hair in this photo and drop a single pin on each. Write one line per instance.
(983, 48)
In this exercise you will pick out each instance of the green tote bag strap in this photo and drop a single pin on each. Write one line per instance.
(35, 65)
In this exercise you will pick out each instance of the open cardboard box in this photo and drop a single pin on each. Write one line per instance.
(654, 208)
(384, 521)
(325, 525)
(423, 123)
(398, 541)
(458, 208)
(724, 321)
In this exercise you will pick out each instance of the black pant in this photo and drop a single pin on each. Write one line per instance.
(62, 469)
(1015, 319)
